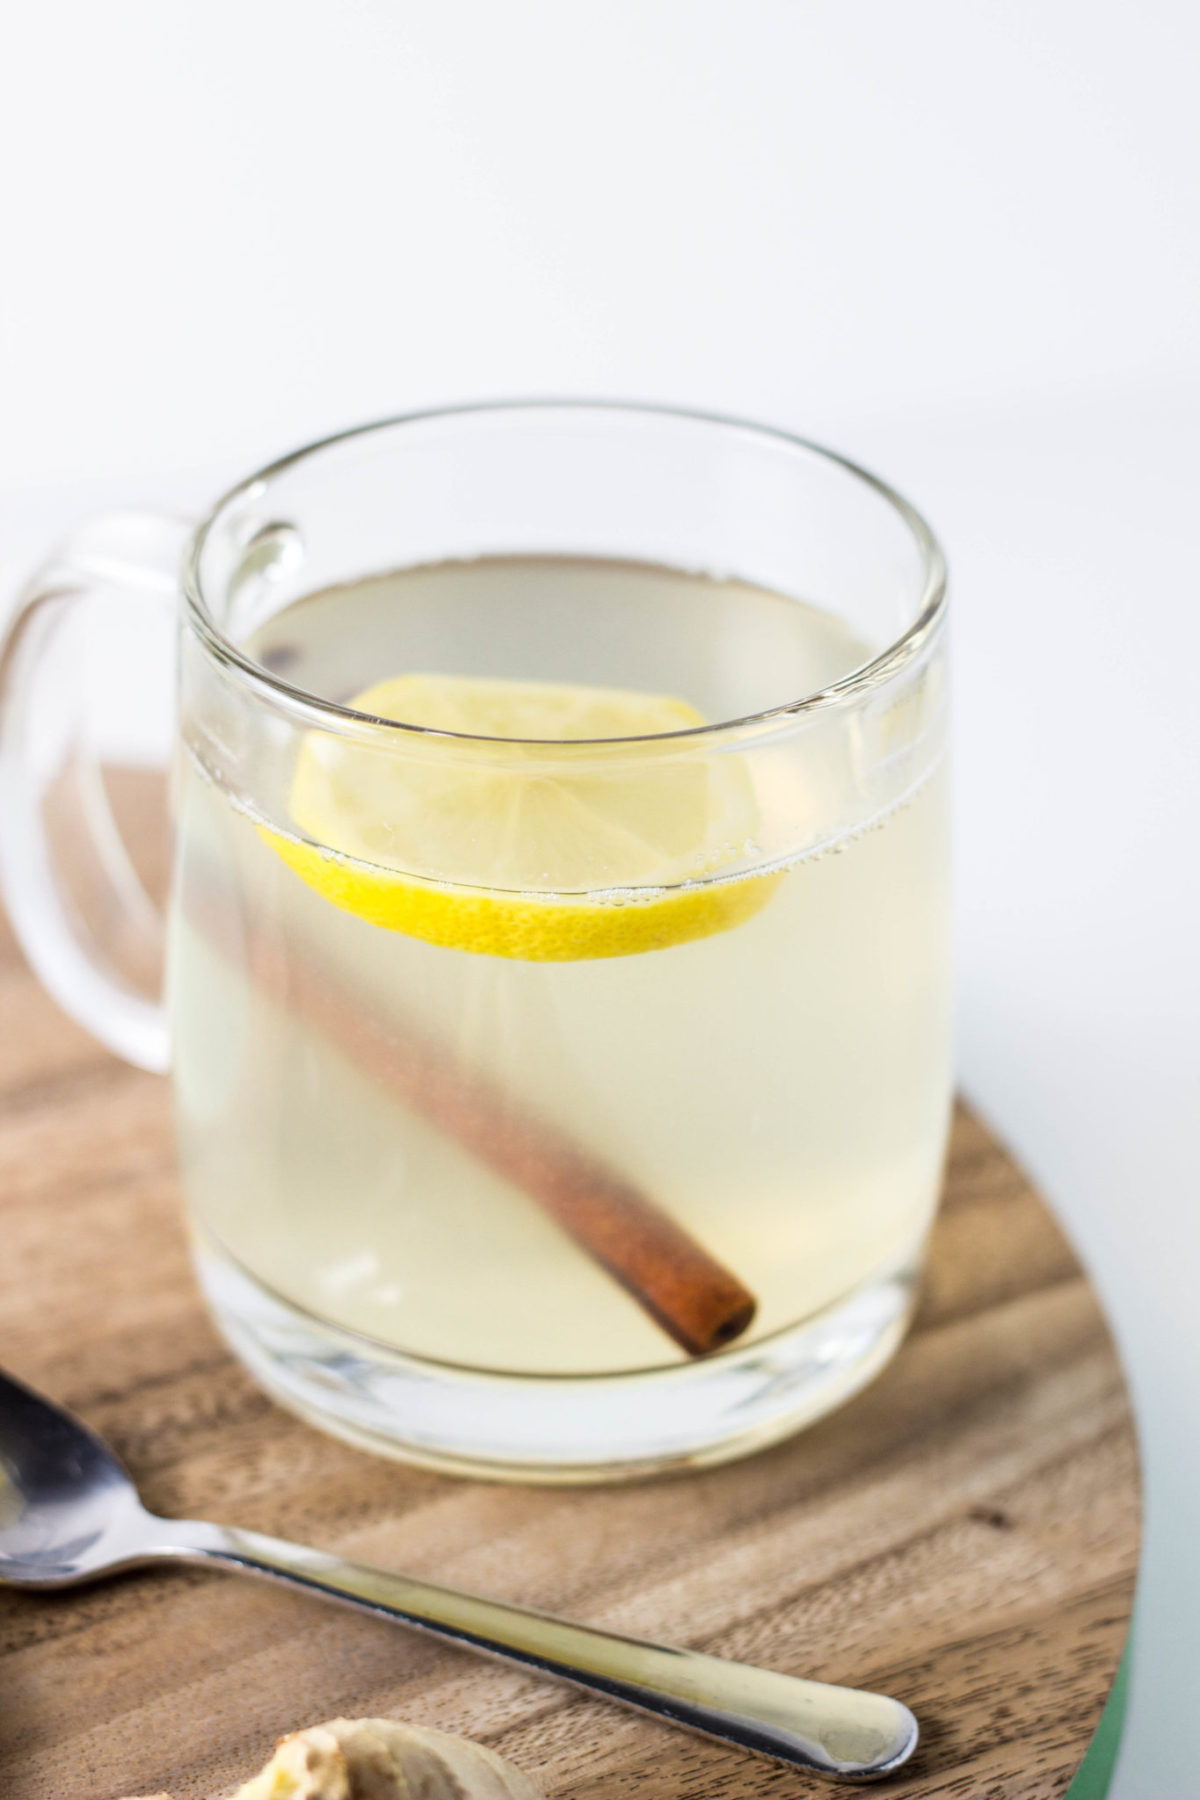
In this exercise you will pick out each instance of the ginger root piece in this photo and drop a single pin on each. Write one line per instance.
(380, 1759)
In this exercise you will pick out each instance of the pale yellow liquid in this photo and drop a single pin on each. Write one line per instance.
(780, 1088)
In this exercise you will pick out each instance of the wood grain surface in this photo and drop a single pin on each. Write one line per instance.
(963, 1535)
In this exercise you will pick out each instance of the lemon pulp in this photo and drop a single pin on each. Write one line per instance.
(518, 850)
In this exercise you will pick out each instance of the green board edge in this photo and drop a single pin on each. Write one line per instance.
(1096, 1769)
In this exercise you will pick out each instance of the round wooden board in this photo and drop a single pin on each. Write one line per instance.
(963, 1535)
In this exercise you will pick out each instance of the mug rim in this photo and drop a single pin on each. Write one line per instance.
(876, 672)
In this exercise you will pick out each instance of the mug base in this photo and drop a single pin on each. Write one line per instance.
(557, 1429)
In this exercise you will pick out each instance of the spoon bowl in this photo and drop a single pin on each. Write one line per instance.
(69, 1511)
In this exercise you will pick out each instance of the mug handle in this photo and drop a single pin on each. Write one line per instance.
(123, 569)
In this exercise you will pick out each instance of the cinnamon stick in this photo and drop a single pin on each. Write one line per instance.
(685, 1290)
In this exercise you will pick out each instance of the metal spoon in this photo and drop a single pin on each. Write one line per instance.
(70, 1513)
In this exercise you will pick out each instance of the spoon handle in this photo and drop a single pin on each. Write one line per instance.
(836, 1731)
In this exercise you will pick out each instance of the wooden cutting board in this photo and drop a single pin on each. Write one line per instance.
(963, 1535)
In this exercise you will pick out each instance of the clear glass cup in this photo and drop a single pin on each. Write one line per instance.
(552, 1107)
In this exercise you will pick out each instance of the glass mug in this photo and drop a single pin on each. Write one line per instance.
(557, 952)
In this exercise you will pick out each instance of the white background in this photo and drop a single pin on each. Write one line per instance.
(955, 239)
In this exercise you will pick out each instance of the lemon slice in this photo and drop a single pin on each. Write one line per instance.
(512, 850)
